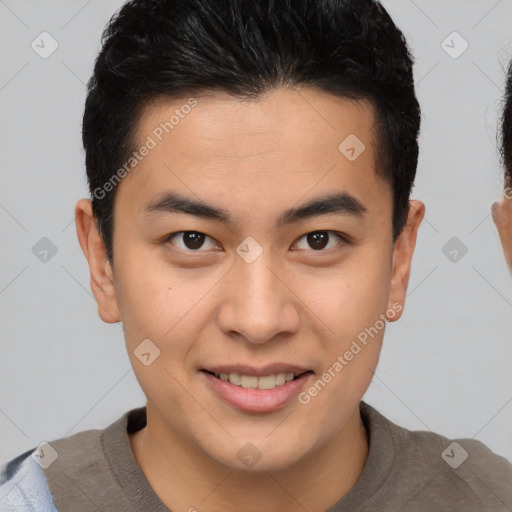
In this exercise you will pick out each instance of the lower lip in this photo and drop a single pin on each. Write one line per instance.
(257, 400)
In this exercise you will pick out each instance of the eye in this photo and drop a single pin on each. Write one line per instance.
(319, 240)
(190, 241)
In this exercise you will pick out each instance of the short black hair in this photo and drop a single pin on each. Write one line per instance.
(506, 130)
(158, 49)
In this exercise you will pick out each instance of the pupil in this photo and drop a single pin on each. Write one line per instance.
(318, 240)
(193, 239)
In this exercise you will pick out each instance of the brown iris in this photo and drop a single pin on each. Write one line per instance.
(318, 240)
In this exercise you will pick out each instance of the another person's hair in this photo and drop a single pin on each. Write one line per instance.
(506, 131)
(158, 49)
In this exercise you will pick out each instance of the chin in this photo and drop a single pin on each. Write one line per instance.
(258, 457)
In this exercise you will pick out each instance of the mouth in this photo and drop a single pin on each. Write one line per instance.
(263, 382)
(257, 391)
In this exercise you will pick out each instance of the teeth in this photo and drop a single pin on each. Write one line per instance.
(252, 382)
(235, 379)
(249, 382)
(280, 379)
(267, 382)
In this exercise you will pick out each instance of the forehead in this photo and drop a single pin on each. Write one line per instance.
(296, 115)
(280, 146)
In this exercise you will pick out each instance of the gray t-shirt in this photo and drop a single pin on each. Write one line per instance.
(405, 471)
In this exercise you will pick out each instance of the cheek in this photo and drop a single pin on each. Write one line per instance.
(139, 294)
(147, 296)
(351, 297)
(160, 302)
(352, 303)
(155, 305)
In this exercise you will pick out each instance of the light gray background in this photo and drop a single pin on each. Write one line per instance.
(445, 365)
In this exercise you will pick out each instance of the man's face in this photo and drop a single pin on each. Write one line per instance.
(258, 292)
(502, 216)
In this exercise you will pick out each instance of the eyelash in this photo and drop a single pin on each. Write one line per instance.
(342, 237)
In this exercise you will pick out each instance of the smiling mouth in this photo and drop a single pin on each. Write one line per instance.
(252, 382)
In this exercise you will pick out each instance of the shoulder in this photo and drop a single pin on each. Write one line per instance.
(463, 470)
(450, 473)
(454, 456)
(23, 485)
(84, 472)
(39, 479)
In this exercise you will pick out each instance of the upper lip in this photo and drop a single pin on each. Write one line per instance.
(261, 371)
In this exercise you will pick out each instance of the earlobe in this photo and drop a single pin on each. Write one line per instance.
(93, 247)
(402, 258)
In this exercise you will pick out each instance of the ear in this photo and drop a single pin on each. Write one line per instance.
(402, 257)
(502, 217)
(102, 276)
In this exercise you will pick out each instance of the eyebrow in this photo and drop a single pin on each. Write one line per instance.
(338, 203)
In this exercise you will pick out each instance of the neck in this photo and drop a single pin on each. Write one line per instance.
(186, 479)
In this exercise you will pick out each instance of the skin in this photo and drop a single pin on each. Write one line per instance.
(293, 304)
(502, 216)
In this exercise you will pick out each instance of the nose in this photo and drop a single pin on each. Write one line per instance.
(259, 304)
